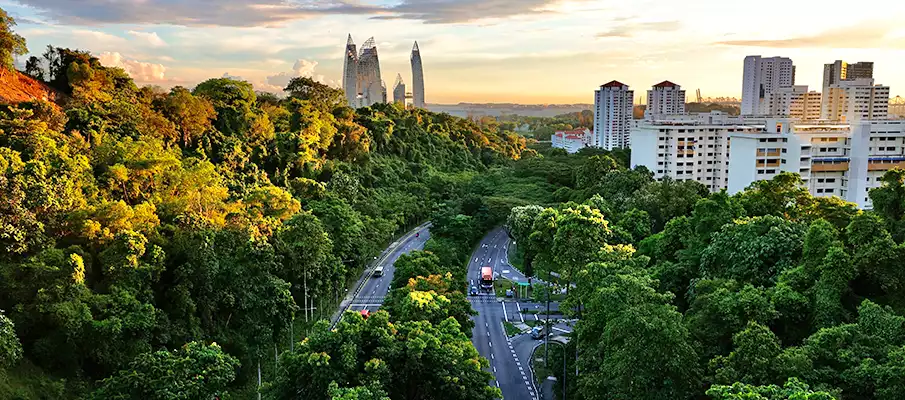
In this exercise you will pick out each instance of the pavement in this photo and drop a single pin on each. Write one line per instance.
(510, 367)
(370, 290)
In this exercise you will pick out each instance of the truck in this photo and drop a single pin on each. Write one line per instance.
(487, 278)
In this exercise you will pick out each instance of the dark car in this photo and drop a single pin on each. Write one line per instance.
(473, 291)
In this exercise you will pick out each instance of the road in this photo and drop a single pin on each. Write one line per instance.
(513, 375)
(373, 288)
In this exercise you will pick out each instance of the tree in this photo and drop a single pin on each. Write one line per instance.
(794, 389)
(754, 250)
(889, 201)
(196, 371)
(11, 44)
(667, 199)
(323, 96)
(431, 299)
(753, 358)
(10, 348)
(191, 114)
(414, 264)
(33, 67)
(411, 360)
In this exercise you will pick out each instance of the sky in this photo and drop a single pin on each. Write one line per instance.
(518, 51)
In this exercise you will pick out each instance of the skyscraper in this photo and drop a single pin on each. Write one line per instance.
(613, 104)
(370, 85)
(665, 98)
(762, 76)
(350, 73)
(417, 78)
(399, 90)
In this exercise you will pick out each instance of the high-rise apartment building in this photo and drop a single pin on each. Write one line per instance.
(795, 102)
(838, 72)
(399, 90)
(857, 99)
(613, 104)
(762, 76)
(417, 78)
(722, 152)
(665, 98)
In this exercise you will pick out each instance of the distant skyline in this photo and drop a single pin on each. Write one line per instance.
(516, 51)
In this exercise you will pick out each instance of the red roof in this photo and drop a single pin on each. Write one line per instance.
(665, 84)
(613, 84)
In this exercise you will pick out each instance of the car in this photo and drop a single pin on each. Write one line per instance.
(509, 293)
(378, 271)
(473, 291)
(538, 332)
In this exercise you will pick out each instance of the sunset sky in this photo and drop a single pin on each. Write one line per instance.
(524, 51)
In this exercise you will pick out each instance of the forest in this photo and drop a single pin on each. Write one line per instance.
(180, 243)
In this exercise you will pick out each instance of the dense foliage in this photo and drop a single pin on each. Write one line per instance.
(136, 220)
(681, 292)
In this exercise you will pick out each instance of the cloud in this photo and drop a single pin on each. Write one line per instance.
(276, 83)
(150, 37)
(631, 28)
(141, 72)
(276, 12)
(868, 35)
(192, 12)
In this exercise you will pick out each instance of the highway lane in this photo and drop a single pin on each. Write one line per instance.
(512, 373)
(375, 288)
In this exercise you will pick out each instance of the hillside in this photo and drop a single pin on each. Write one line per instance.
(17, 87)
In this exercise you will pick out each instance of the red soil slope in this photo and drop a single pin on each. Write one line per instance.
(16, 87)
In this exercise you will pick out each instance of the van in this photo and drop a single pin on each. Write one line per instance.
(538, 332)
(378, 271)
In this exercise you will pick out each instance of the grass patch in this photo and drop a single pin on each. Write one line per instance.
(533, 323)
(541, 368)
(502, 284)
(511, 330)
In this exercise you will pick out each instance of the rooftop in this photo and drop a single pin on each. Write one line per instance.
(665, 84)
(613, 84)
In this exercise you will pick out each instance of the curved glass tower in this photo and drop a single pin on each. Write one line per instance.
(350, 74)
(417, 78)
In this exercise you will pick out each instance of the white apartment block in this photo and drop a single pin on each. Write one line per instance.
(571, 141)
(852, 100)
(795, 102)
(844, 160)
(762, 77)
(665, 98)
(613, 104)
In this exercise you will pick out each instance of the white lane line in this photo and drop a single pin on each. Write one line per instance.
(491, 356)
(522, 317)
(486, 325)
(488, 334)
(561, 330)
(497, 383)
(491, 344)
(504, 311)
(494, 370)
(536, 318)
(475, 259)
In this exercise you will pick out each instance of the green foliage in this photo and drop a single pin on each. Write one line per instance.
(409, 360)
(794, 389)
(11, 44)
(10, 348)
(193, 372)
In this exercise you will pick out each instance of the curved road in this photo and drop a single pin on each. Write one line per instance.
(513, 375)
(373, 288)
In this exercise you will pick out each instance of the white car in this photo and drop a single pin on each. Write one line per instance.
(378, 271)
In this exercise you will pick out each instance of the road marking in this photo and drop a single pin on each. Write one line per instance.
(494, 370)
(561, 330)
(491, 356)
(522, 317)
(490, 343)
(536, 318)
(520, 368)
(488, 334)
(475, 259)
(504, 311)
(497, 383)
(486, 325)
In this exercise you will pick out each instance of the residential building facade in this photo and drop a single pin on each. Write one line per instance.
(833, 159)
(795, 102)
(851, 100)
(613, 104)
(665, 98)
(571, 141)
(761, 77)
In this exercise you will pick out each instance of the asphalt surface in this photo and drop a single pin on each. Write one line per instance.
(511, 370)
(375, 287)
